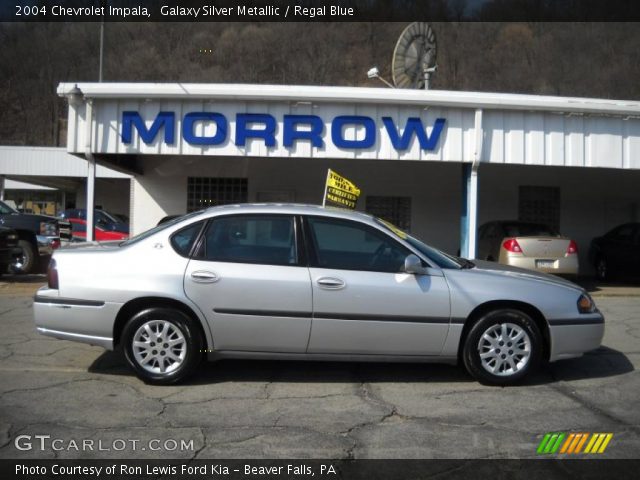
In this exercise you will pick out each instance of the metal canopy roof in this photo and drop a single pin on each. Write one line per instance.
(305, 93)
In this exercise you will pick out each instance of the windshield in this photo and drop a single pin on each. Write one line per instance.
(443, 260)
(6, 209)
(159, 228)
(108, 216)
(518, 229)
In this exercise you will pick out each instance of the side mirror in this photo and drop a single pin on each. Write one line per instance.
(412, 264)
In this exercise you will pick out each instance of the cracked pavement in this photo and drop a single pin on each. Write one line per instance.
(261, 409)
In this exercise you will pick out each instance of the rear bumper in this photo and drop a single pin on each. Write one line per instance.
(85, 321)
(565, 265)
(571, 337)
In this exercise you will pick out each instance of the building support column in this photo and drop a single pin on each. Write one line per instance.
(91, 172)
(2, 187)
(469, 214)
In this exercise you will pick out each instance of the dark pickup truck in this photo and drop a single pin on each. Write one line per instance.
(38, 236)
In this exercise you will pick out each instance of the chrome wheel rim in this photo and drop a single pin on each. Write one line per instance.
(159, 347)
(505, 349)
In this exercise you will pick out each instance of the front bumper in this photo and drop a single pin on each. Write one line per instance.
(46, 245)
(85, 321)
(571, 337)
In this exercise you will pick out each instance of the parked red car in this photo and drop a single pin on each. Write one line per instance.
(79, 232)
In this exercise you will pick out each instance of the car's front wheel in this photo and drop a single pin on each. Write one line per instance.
(502, 347)
(162, 345)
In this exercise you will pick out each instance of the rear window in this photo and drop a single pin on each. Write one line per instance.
(528, 230)
(183, 240)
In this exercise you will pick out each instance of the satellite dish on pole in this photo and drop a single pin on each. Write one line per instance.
(414, 58)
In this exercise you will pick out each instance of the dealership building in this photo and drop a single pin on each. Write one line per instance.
(437, 163)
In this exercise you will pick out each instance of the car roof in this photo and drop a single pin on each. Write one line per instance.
(292, 209)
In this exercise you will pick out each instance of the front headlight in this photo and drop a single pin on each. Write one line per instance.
(48, 229)
(12, 236)
(586, 304)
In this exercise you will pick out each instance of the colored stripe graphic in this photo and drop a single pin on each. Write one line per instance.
(598, 442)
(573, 443)
(550, 443)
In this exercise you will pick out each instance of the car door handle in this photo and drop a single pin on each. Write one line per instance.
(330, 283)
(202, 276)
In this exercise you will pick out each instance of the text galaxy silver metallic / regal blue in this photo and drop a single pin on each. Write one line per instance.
(305, 282)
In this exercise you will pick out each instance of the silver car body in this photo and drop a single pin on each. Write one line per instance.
(267, 311)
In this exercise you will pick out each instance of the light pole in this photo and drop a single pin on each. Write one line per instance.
(103, 5)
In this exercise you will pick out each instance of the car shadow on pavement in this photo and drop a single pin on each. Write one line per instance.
(23, 278)
(600, 363)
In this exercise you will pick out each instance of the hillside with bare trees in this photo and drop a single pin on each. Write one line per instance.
(573, 59)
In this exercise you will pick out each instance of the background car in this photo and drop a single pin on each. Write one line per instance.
(616, 254)
(79, 232)
(38, 237)
(304, 282)
(527, 245)
(102, 219)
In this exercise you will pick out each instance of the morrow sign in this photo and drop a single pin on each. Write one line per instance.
(263, 126)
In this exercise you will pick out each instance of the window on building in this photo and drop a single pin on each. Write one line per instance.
(396, 210)
(205, 192)
(540, 205)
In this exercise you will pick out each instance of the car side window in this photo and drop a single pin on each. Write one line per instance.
(259, 239)
(622, 234)
(183, 239)
(346, 245)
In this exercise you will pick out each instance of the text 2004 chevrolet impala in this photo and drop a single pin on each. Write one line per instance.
(304, 282)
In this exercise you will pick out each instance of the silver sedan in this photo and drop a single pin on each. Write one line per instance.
(305, 282)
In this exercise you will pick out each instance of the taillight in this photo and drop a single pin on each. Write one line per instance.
(52, 275)
(511, 245)
(55, 244)
(572, 248)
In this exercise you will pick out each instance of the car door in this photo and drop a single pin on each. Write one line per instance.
(619, 249)
(362, 301)
(248, 279)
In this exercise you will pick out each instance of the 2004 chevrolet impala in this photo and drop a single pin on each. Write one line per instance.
(305, 282)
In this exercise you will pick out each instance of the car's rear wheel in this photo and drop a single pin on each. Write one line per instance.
(502, 347)
(162, 345)
(602, 269)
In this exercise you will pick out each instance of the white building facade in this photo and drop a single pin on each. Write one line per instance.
(435, 162)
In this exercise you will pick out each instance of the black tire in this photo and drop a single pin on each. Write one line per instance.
(490, 323)
(603, 272)
(28, 259)
(181, 324)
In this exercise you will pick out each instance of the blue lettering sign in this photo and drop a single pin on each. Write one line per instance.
(414, 127)
(337, 131)
(263, 126)
(164, 120)
(188, 131)
(292, 134)
(243, 120)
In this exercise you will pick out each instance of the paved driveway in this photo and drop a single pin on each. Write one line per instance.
(68, 400)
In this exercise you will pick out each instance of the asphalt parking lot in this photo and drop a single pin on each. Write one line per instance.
(76, 393)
